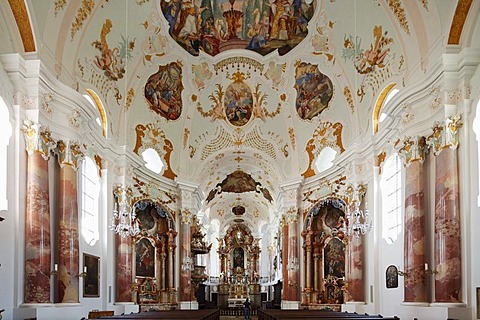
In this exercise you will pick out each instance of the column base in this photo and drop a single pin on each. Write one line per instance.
(188, 305)
(433, 311)
(290, 305)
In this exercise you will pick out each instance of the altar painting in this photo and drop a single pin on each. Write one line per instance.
(163, 91)
(314, 91)
(238, 258)
(334, 253)
(145, 258)
(214, 26)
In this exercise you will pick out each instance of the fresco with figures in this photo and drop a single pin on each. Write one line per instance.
(314, 90)
(163, 91)
(214, 26)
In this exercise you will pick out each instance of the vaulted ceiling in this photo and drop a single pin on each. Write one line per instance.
(243, 94)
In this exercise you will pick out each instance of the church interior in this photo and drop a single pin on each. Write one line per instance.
(189, 154)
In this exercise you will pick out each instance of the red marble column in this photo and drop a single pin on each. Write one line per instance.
(354, 275)
(448, 262)
(124, 265)
(414, 242)
(293, 274)
(415, 285)
(68, 256)
(37, 232)
(186, 286)
(285, 291)
(171, 249)
(37, 215)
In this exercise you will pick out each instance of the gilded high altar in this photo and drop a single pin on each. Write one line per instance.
(239, 255)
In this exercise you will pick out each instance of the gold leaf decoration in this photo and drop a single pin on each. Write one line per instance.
(399, 12)
(82, 14)
(348, 95)
(59, 5)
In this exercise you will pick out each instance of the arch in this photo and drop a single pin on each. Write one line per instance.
(458, 21)
(101, 109)
(335, 202)
(161, 211)
(379, 104)
(22, 19)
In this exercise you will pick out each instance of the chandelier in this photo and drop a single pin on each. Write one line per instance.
(358, 220)
(123, 220)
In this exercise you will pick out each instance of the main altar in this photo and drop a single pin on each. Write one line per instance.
(238, 251)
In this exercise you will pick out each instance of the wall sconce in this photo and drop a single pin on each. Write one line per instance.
(428, 271)
(402, 273)
(84, 273)
(54, 272)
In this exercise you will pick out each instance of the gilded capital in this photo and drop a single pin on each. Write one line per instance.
(445, 135)
(413, 149)
(186, 216)
(37, 140)
(69, 153)
(291, 215)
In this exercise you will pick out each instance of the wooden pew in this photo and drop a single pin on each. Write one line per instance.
(315, 314)
(207, 314)
(95, 314)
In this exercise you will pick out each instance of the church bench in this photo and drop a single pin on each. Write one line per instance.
(315, 314)
(170, 315)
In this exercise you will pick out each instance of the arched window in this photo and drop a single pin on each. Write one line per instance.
(5, 133)
(378, 115)
(391, 188)
(90, 186)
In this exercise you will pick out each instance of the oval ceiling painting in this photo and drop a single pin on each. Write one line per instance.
(238, 103)
(219, 25)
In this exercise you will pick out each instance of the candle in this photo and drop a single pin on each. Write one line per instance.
(426, 266)
(85, 269)
(55, 267)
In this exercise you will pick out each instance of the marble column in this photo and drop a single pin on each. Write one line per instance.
(447, 233)
(354, 274)
(171, 250)
(293, 274)
(68, 154)
(285, 291)
(413, 153)
(186, 286)
(37, 215)
(124, 271)
(448, 262)
(317, 260)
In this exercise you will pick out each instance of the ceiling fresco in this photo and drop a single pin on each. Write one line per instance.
(217, 26)
(253, 86)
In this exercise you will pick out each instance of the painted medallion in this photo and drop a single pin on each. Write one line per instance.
(238, 103)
